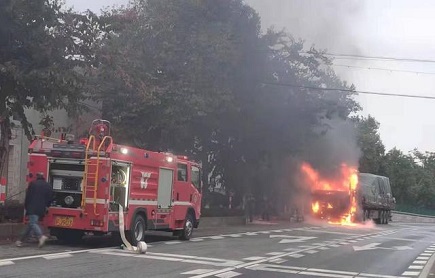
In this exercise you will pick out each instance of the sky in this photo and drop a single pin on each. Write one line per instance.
(375, 28)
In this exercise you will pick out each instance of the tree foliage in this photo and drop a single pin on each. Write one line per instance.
(197, 77)
(45, 52)
(371, 146)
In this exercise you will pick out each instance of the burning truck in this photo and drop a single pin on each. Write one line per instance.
(349, 197)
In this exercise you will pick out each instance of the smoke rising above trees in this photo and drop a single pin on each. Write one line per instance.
(197, 78)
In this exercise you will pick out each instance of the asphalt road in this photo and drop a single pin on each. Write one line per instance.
(289, 250)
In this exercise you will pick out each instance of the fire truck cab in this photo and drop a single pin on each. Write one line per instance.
(96, 180)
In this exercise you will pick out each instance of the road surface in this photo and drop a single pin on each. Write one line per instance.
(322, 250)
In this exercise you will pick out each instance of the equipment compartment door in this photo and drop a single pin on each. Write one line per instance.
(164, 194)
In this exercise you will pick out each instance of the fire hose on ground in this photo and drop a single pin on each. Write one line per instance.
(141, 245)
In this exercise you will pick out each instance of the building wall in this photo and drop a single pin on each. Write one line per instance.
(18, 145)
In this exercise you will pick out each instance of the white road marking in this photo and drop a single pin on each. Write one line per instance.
(333, 271)
(264, 232)
(198, 271)
(216, 237)
(251, 234)
(311, 251)
(419, 262)
(278, 261)
(275, 253)
(69, 252)
(291, 249)
(228, 274)
(422, 258)
(377, 275)
(5, 263)
(172, 242)
(334, 245)
(60, 256)
(291, 239)
(323, 248)
(177, 258)
(195, 239)
(415, 267)
(276, 268)
(330, 232)
(411, 273)
(317, 274)
(234, 235)
(296, 255)
(253, 258)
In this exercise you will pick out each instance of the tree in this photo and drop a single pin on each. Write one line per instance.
(191, 76)
(401, 169)
(45, 53)
(370, 143)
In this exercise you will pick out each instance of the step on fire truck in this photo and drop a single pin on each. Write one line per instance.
(94, 178)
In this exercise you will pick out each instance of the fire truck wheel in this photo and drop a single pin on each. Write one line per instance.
(137, 231)
(186, 234)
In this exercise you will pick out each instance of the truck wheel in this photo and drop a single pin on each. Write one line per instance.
(383, 217)
(387, 216)
(379, 219)
(187, 231)
(137, 230)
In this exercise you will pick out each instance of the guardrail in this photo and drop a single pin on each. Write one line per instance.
(412, 214)
(406, 217)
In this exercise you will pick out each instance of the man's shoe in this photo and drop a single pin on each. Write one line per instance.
(18, 243)
(42, 240)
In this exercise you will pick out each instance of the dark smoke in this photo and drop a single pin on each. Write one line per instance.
(337, 145)
(329, 24)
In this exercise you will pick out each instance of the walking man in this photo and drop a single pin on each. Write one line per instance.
(38, 198)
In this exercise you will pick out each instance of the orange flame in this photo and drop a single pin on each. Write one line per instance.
(347, 180)
(315, 206)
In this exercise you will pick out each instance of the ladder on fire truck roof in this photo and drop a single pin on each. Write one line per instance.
(93, 175)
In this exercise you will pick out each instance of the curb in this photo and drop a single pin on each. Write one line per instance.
(425, 272)
(13, 230)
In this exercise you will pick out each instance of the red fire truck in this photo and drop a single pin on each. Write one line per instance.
(92, 179)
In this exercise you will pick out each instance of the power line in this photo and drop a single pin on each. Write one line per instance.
(348, 90)
(385, 69)
(363, 57)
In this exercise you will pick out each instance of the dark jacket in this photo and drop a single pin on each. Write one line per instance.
(38, 197)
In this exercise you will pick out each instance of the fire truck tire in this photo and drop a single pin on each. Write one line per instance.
(187, 231)
(137, 230)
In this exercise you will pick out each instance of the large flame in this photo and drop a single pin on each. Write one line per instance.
(346, 180)
(315, 207)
